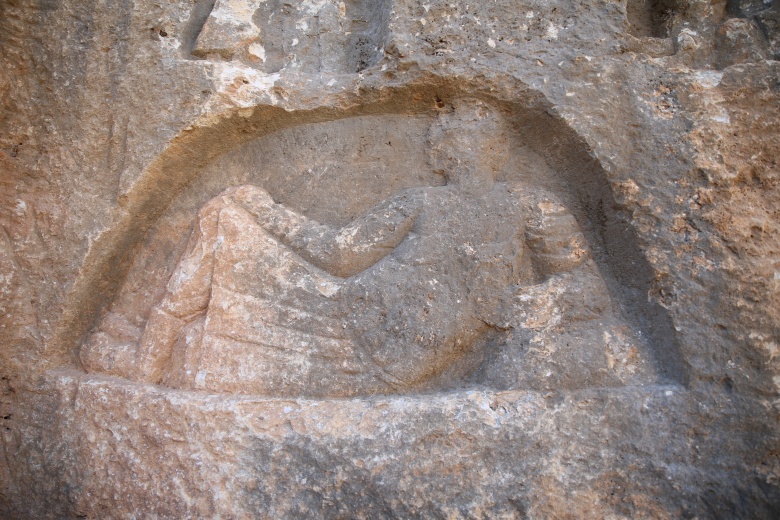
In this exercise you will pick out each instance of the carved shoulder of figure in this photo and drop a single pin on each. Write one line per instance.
(254, 199)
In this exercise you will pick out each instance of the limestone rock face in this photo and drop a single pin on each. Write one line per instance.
(389, 259)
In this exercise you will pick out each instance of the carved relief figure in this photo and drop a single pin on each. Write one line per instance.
(267, 301)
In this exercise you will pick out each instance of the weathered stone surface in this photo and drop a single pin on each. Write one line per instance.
(636, 375)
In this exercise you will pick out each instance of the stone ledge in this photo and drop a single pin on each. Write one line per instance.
(197, 454)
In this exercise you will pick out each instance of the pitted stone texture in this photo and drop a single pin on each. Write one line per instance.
(463, 454)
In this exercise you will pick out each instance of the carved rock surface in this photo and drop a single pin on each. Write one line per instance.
(509, 259)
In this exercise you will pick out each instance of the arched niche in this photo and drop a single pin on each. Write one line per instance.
(333, 163)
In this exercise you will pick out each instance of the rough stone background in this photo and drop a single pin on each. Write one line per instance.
(103, 103)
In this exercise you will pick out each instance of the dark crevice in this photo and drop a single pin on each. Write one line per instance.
(369, 22)
(650, 18)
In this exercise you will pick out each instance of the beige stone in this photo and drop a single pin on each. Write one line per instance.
(389, 259)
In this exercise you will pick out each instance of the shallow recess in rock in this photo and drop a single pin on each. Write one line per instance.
(650, 18)
(571, 313)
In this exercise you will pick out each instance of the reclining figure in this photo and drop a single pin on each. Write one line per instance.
(267, 301)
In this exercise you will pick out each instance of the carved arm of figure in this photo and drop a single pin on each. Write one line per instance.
(341, 252)
(571, 287)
